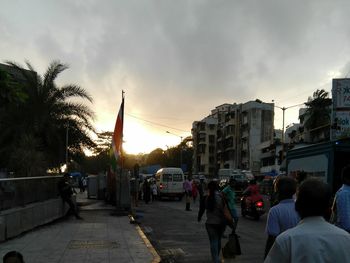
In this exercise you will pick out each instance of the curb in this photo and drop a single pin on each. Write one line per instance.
(156, 257)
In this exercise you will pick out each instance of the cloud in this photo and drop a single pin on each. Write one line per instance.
(182, 58)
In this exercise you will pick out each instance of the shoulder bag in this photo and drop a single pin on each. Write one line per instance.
(227, 214)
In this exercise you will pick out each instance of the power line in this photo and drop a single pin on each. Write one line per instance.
(154, 123)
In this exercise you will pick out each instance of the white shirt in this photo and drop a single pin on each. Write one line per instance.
(154, 189)
(312, 240)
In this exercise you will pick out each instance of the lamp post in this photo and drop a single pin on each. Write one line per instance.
(180, 146)
(283, 110)
(67, 148)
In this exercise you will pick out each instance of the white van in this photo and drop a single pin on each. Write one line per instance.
(170, 182)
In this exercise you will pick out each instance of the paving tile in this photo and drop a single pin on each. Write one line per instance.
(51, 243)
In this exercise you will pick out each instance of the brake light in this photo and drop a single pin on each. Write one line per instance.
(160, 186)
(259, 204)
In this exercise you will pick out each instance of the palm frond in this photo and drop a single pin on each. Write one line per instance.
(52, 72)
(69, 91)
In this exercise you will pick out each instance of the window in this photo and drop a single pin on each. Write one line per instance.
(167, 178)
(177, 177)
(211, 149)
(211, 138)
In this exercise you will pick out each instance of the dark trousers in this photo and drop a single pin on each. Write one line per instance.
(215, 233)
(72, 207)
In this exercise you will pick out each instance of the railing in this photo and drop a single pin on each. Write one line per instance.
(16, 192)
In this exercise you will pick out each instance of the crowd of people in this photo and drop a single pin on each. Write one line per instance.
(302, 225)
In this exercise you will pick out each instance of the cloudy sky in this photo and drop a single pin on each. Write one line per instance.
(177, 60)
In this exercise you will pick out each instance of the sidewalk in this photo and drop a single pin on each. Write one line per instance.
(99, 237)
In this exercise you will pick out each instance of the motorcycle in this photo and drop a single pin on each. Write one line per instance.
(253, 209)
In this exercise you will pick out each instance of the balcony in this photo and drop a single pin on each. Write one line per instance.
(245, 120)
(230, 122)
(267, 155)
(245, 134)
(229, 135)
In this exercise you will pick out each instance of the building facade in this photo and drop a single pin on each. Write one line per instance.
(234, 141)
(204, 134)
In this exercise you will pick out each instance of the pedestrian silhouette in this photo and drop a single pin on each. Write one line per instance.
(13, 257)
(313, 239)
(283, 215)
(214, 205)
(66, 191)
(342, 200)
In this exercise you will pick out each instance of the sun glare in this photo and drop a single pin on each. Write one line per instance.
(141, 139)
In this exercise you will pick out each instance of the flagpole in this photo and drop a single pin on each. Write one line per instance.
(121, 155)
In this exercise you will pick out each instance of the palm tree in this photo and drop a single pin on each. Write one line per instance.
(46, 114)
(317, 115)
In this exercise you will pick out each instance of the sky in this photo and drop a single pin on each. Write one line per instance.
(178, 60)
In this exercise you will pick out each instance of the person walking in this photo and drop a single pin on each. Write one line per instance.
(201, 187)
(146, 191)
(188, 193)
(84, 183)
(215, 224)
(283, 215)
(342, 200)
(81, 184)
(230, 196)
(313, 239)
(194, 191)
(154, 191)
(65, 190)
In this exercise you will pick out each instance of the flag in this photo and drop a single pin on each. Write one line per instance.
(117, 139)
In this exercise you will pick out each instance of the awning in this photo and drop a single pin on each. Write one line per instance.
(272, 173)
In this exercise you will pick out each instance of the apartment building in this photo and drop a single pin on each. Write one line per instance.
(233, 142)
(204, 134)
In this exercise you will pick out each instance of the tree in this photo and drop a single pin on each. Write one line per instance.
(157, 156)
(317, 115)
(45, 115)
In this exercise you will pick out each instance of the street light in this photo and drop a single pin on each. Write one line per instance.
(67, 147)
(284, 109)
(180, 146)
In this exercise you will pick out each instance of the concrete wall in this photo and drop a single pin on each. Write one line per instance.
(15, 221)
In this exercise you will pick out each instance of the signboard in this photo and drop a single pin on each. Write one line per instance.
(341, 109)
(342, 119)
(341, 93)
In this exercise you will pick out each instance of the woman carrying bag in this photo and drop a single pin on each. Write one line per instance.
(214, 206)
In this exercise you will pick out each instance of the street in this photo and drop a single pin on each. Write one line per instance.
(178, 237)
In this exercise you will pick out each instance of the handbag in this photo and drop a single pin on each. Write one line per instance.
(232, 248)
(227, 214)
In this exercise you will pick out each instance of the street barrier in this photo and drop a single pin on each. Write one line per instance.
(18, 192)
